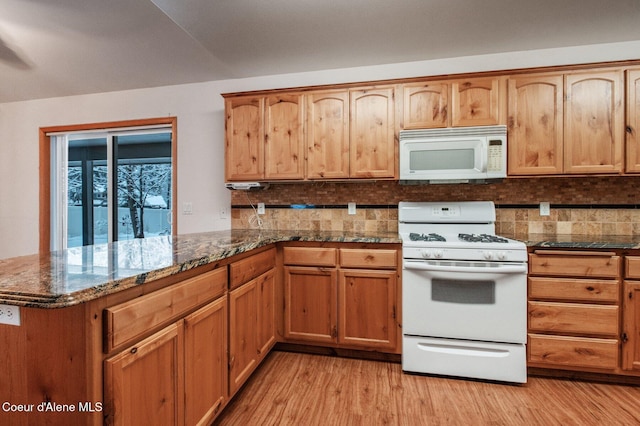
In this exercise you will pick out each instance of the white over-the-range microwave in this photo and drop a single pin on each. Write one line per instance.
(453, 155)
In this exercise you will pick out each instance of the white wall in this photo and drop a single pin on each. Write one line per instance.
(200, 112)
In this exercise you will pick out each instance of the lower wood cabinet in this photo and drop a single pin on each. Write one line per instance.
(367, 308)
(574, 310)
(144, 384)
(177, 375)
(311, 304)
(631, 315)
(205, 360)
(252, 323)
(342, 297)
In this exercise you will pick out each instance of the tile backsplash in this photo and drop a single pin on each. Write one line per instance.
(579, 205)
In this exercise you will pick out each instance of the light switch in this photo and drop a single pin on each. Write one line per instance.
(352, 208)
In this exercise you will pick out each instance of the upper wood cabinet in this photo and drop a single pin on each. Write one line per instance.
(566, 123)
(351, 134)
(535, 124)
(594, 122)
(471, 102)
(372, 148)
(328, 135)
(264, 137)
(633, 121)
(284, 128)
(344, 134)
(244, 138)
(426, 105)
(478, 101)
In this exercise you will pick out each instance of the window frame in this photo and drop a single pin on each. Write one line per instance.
(45, 167)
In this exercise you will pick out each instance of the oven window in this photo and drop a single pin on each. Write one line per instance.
(463, 291)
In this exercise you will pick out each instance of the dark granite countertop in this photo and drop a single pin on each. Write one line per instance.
(611, 242)
(76, 275)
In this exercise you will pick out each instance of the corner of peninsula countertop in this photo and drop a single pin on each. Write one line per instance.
(80, 274)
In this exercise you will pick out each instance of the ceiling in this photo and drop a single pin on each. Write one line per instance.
(51, 48)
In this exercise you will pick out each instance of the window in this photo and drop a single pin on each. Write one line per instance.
(107, 184)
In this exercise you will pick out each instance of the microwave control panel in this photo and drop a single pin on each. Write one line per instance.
(494, 153)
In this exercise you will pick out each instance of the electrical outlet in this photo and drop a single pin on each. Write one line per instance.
(261, 208)
(545, 208)
(9, 314)
(352, 208)
(187, 208)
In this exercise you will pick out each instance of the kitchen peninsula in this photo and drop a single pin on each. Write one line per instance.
(91, 317)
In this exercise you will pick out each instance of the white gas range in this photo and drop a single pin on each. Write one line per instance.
(464, 292)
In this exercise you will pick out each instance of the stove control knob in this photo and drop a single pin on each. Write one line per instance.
(487, 255)
(426, 253)
(501, 255)
(438, 254)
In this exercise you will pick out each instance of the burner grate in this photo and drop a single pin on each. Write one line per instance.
(482, 238)
(426, 237)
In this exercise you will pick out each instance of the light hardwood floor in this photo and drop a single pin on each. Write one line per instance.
(304, 389)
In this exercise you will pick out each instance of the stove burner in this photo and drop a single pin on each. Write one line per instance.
(482, 238)
(422, 237)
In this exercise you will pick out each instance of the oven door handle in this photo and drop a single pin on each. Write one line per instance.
(502, 269)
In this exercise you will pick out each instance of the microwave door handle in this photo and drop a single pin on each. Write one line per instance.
(483, 157)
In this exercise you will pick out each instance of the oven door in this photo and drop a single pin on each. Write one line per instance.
(465, 300)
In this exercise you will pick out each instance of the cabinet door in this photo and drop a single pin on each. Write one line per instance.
(243, 351)
(328, 135)
(594, 126)
(205, 339)
(372, 148)
(426, 105)
(535, 125)
(633, 121)
(266, 327)
(631, 326)
(144, 384)
(367, 311)
(310, 304)
(284, 141)
(244, 133)
(478, 102)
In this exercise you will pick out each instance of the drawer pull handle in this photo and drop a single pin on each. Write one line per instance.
(134, 350)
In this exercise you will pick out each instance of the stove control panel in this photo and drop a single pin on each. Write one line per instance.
(486, 255)
(445, 211)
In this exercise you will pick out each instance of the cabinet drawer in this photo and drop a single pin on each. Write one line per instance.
(573, 318)
(573, 351)
(248, 268)
(583, 290)
(358, 258)
(310, 256)
(128, 320)
(574, 263)
(632, 267)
